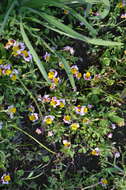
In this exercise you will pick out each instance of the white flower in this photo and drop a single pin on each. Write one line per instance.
(70, 49)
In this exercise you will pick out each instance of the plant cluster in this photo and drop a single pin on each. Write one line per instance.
(62, 95)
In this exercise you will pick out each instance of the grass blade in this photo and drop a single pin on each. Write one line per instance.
(57, 24)
(34, 54)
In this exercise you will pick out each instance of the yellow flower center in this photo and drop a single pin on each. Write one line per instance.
(7, 178)
(15, 48)
(48, 121)
(74, 71)
(32, 117)
(53, 102)
(88, 75)
(14, 77)
(79, 75)
(78, 108)
(8, 72)
(51, 75)
(85, 110)
(74, 126)
(25, 53)
(61, 105)
(104, 181)
(94, 152)
(12, 110)
(67, 118)
(66, 143)
(120, 5)
(56, 80)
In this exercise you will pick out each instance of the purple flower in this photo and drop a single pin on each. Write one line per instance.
(27, 58)
(46, 56)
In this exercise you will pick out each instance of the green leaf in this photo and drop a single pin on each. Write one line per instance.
(34, 54)
(123, 94)
(72, 33)
(68, 71)
(2, 157)
(116, 119)
(103, 123)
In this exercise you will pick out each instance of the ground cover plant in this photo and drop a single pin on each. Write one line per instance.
(62, 95)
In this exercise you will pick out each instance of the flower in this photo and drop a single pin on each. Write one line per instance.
(56, 80)
(52, 74)
(46, 99)
(26, 55)
(123, 15)
(95, 152)
(70, 49)
(13, 77)
(11, 111)
(33, 117)
(74, 69)
(78, 75)
(14, 74)
(39, 98)
(78, 109)
(54, 102)
(67, 119)
(117, 154)
(83, 110)
(62, 103)
(31, 108)
(74, 126)
(6, 69)
(38, 131)
(48, 119)
(17, 48)
(5, 178)
(87, 76)
(89, 106)
(113, 126)
(9, 44)
(66, 143)
(120, 5)
(7, 72)
(104, 182)
(46, 56)
(50, 134)
(110, 135)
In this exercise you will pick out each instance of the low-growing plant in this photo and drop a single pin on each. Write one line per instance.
(51, 136)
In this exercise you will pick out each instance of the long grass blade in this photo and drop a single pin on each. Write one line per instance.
(74, 13)
(34, 54)
(57, 24)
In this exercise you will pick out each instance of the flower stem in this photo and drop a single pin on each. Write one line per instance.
(43, 146)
